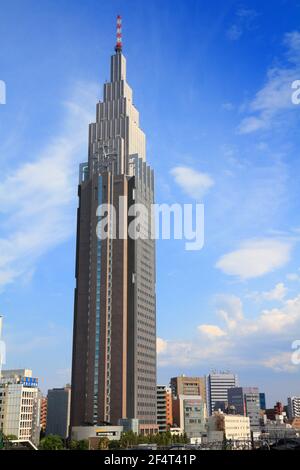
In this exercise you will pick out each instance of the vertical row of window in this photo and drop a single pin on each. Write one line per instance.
(97, 332)
(109, 308)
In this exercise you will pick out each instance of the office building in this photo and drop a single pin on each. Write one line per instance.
(262, 401)
(164, 408)
(246, 402)
(230, 427)
(293, 407)
(114, 338)
(218, 384)
(43, 414)
(184, 385)
(20, 405)
(190, 415)
(58, 411)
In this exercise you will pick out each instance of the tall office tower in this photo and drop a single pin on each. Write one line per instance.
(183, 385)
(246, 402)
(218, 384)
(114, 344)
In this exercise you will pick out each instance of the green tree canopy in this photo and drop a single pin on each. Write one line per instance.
(52, 442)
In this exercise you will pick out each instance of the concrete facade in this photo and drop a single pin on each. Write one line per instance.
(20, 405)
(232, 427)
(190, 414)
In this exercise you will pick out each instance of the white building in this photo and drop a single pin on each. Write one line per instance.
(20, 405)
(293, 407)
(232, 427)
(87, 432)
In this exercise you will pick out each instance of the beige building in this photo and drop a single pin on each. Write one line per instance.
(232, 427)
(183, 385)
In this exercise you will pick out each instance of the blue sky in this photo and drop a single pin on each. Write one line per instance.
(212, 82)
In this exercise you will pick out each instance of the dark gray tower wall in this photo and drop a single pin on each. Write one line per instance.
(114, 339)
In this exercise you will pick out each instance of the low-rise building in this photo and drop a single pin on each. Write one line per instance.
(230, 427)
(44, 405)
(20, 405)
(293, 407)
(58, 411)
(113, 433)
(164, 408)
(190, 414)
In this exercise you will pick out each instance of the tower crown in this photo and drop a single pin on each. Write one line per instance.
(118, 47)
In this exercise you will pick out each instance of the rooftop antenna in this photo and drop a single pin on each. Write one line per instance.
(118, 47)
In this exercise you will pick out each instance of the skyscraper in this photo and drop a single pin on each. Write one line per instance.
(114, 342)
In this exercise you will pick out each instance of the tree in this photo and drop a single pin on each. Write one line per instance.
(52, 442)
(128, 439)
(114, 445)
(73, 445)
(1, 441)
(83, 444)
(103, 443)
(11, 437)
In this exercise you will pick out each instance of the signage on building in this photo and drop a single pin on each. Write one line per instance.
(29, 382)
(105, 433)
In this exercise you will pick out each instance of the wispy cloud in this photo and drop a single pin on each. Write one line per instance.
(274, 97)
(276, 294)
(36, 199)
(245, 20)
(255, 258)
(194, 183)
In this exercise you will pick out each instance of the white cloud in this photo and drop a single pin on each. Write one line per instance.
(275, 96)
(255, 258)
(263, 341)
(194, 183)
(37, 213)
(211, 331)
(293, 277)
(278, 293)
(161, 345)
(280, 363)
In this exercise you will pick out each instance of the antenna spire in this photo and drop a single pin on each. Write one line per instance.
(118, 47)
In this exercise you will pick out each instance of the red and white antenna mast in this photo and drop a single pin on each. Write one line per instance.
(118, 47)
